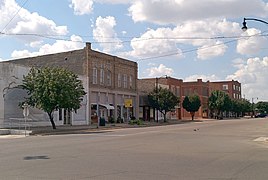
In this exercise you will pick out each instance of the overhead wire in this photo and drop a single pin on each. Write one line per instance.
(175, 52)
(202, 48)
(25, 2)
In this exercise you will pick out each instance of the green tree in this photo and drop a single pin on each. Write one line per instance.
(218, 102)
(246, 106)
(191, 104)
(50, 89)
(240, 106)
(236, 107)
(262, 107)
(163, 100)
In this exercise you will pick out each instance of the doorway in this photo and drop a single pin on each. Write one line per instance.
(65, 115)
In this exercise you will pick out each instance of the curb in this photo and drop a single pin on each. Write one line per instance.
(14, 132)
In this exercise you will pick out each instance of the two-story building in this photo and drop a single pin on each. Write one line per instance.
(182, 89)
(109, 82)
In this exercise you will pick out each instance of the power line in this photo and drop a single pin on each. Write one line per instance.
(187, 51)
(235, 38)
(202, 48)
(14, 16)
(57, 37)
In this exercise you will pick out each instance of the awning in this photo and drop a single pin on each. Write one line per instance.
(107, 106)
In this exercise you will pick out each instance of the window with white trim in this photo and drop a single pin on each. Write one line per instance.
(95, 76)
(125, 81)
(109, 78)
(130, 82)
(119, 80)
(101, 76)
(225, 87)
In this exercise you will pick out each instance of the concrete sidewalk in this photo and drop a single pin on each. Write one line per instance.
(15, 132)
(87, 129)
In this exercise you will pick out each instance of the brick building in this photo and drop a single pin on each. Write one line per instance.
(182, 89)
(109, 81)
(201, 89)
(232, 88)
(146, 86)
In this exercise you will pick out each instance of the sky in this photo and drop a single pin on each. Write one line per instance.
(184, 39)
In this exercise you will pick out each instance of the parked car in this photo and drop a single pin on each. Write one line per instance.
(260, 115)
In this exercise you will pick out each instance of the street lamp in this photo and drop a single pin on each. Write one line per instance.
(156, 88)
(244, 28)
(252, 106)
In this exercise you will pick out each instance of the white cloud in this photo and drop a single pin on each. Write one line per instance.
(177, 11)
(26, 22)
(253, 77)
(82, 7)
(58, 46)
(253, 44)
(163, 41)
(159, 71)
(210, 51)
(114, 1)
(104, 31)
(147, 47)
(238, 63)
(203, 77)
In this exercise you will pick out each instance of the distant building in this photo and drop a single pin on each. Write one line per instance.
(109, 81)
(182, 89)
(201, 89)
(232, 88)
(146, 86)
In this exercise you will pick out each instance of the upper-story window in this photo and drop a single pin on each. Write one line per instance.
(119, 80)
(125, 81)
(109, 78)
(178, 91)
(95, 75)
(234, 87)
(130, 82)
(225, 87)
(101, 76)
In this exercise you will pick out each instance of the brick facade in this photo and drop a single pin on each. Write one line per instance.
(182, 89)
(101, 75)
(232, 88)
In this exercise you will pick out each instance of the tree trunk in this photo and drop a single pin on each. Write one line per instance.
(192, 115)
(50, 114)
(165, 117)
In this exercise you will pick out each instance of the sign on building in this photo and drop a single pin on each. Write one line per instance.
(128, 103)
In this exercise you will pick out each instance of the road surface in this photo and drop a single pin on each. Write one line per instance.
(221, 150)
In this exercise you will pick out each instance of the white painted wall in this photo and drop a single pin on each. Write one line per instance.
(11, 75)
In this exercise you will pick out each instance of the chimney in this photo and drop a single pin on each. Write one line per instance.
(88, 45)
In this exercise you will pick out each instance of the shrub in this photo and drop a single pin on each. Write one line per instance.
(119, 120)
(136, 121)
(111, 120)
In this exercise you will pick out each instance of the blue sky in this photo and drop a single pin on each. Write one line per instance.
(183, 39)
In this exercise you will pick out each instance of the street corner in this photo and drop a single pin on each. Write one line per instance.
(12, 136)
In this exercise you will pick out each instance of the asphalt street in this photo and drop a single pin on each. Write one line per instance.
(208, 150)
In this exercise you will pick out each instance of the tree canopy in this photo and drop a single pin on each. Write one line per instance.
(191, 104)
(162, 100)
(218, 102)
(53, 88)
(262, 107)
